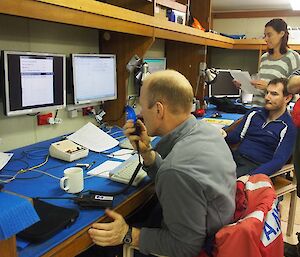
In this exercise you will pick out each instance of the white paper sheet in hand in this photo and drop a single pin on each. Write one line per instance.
(93, 138)
(103, 169)
(244, 78)
(4, 159)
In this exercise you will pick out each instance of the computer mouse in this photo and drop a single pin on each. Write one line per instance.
(199, 112)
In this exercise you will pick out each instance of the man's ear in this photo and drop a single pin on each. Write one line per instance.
(160, 109)
(288, 98)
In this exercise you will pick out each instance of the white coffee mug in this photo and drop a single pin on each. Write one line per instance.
(72, 182)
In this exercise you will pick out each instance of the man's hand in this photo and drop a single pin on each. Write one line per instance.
(143, 139)
(259, 84)
(109, 234)
(237, 84)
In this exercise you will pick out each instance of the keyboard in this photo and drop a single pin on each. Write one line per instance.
(125, 143)
(124, 171)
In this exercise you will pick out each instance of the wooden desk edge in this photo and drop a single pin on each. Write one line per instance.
(81, 240)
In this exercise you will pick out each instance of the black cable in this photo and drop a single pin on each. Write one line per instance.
(34, 114)
(56, 114)
(16, 160)
(55, 198)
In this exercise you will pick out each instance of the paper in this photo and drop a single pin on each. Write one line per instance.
(103, 169)
(4, 159)
(244, 78)
(93, 138)
(122, 154)
(219, 123)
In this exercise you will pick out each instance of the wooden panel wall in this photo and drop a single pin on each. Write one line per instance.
(124, 46)
(186, 58)
(201, 10)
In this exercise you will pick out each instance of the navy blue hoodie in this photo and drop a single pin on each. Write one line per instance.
(268, 143)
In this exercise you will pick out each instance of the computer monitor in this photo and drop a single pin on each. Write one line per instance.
(223, 86)
(34, 82)
(156, 64)
(94, 77)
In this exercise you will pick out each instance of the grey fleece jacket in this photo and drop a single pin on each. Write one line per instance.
(195, 179)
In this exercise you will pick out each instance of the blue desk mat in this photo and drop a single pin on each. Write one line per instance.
(228, 116)
(33, 184)
(16, 214)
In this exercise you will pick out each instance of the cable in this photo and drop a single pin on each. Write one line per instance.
(56, 114)
(46, 173)
(36, 166)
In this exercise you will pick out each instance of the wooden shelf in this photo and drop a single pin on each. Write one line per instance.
(98, 15)
(93, 14)
(258, 44)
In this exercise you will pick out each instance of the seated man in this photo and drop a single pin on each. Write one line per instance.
(265, 135)
(193, 170)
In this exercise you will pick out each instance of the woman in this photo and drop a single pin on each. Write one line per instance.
(278, 62)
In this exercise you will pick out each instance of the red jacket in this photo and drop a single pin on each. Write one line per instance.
(257, 230)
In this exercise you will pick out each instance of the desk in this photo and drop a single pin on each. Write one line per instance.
(74, 239)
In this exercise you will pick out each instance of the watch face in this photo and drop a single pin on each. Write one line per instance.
(127, 239)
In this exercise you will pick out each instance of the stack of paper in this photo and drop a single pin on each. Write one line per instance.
(4, 159)
(244, 78)
(219, 123)
(93, 138)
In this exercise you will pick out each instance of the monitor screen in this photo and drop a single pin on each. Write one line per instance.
(34, 82)
(223, 86)
(156, 64)
(94, 77)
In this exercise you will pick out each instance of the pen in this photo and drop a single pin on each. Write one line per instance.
(86, 165)
(91, 164)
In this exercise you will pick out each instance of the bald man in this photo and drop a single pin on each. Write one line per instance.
(294, 83)
(192, 167)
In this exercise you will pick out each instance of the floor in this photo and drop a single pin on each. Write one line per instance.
(284, 215)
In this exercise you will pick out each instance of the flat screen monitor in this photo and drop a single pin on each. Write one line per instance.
(94, 77)
(34, 82)
(156, 64)
(223, 86)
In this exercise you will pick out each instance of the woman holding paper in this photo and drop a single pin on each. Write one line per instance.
(278, 62)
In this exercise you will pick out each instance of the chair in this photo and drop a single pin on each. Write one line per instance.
(281, 184)
(284, 186)
(256, 231)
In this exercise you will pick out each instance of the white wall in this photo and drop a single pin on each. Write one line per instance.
(252, 28)
(38, 36)
(22, 34)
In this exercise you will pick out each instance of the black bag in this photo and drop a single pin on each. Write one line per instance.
(52, 219)
(226, 105)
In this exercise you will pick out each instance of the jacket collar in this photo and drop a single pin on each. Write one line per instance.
(265, 113)
(168, 141)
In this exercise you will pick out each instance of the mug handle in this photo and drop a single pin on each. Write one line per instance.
(62, 184)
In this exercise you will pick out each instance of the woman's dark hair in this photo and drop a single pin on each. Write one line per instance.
(279, 25)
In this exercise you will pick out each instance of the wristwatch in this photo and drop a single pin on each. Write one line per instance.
(128, 237)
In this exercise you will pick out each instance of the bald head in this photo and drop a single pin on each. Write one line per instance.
(171, 88)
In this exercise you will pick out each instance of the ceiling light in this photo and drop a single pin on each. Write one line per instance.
(295, 5)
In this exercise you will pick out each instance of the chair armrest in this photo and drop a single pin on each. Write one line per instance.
(285, 169)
